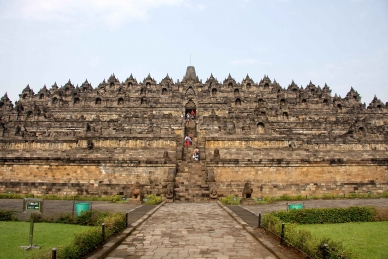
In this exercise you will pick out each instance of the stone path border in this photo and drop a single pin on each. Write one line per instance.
(271, 247)
(193, 230)
(116, 241)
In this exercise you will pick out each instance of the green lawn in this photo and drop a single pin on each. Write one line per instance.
(46, 235)
(369, 240)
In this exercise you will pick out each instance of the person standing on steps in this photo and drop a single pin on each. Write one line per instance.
(196, 154)
(187, 140)
(192, 114)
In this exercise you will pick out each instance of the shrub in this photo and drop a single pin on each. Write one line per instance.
(231, 199)
(91, 239)
(8, 215)
(66, 218)
(315, 197)
(83, 243)
(285, 197)
(301, 239)
(153, 199)
(114, 223)
(37, 217)
(116, 198)
(272, 223)
(304, 240)
(11, 195)
(91, 218)
(327, 215)
(269, 199)
(356, 195)
(381, 214)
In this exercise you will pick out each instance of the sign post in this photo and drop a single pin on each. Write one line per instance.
(32, 206)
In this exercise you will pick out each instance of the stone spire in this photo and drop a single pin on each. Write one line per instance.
(190, 73)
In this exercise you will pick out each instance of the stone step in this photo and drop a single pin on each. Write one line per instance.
(191, 175)
(193, 194)
(191, 172)
(190, 166)
(191, 183)
(198, 180)
(188, 177)
(188, 174)
(192, 191)
(190, 188)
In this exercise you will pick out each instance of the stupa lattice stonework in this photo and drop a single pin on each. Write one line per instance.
(127, 138)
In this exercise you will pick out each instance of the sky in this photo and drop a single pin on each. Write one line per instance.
(341, 43)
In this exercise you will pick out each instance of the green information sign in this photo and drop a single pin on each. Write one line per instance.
(33, 205)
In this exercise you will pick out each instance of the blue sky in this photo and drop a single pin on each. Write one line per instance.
(341, 43)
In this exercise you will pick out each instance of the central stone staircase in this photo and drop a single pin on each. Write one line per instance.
(190, 179)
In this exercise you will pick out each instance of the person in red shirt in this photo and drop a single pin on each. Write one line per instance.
(192, 114)
(187, 140)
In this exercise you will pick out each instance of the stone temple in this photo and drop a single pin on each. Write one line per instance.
(255, 140)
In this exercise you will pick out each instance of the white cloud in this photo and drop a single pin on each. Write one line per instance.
(112, 13)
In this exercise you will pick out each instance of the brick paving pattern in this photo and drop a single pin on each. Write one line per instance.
(190, 230)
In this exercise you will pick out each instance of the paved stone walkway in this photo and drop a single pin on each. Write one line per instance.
(190, 230)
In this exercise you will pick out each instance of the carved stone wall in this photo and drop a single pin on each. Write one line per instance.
(100, 141)
(73, 179)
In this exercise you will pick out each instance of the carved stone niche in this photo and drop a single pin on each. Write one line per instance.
(292, 144)
(216, 155)
(210, 176)
(213, 194)
(247, 191)
(165, 155)
(90, 144)
(88, 128)
(246, 129)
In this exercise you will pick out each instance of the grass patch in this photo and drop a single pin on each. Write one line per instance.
(366, 239)
(46, 235)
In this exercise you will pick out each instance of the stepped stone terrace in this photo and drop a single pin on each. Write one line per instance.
(254, 139)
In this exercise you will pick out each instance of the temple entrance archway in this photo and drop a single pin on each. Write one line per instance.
(190, 106)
